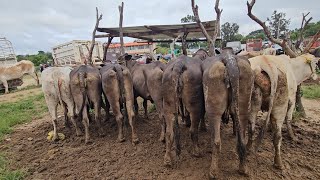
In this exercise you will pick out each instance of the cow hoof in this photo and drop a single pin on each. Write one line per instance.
(102, 133)
(196, 153)
(213, 174)
(243, 170)
(278, 166)
(120, 140)
(162, 139)
(88, 141)
(79, 133)
(135, 141)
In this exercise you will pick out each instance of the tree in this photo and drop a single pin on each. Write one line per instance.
(37, 59)
(188, 18)
(229, 32)
(278, 24)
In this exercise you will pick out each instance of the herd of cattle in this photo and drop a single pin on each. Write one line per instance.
(223, 87)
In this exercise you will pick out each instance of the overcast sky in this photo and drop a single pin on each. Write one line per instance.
(33, 25)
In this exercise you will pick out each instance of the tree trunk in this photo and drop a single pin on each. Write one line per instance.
(299, 106)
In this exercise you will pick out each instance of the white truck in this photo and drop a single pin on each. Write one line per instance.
(235, 45)
(75, 52)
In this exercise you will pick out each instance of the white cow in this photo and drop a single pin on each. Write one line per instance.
(276, 80)
(56, 89)
(17, 71)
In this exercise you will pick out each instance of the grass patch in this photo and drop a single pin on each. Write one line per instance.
(24, 110)
(13, 113)
(311, 92)
(8, 174)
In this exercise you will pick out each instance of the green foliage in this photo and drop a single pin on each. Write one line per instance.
(40, 58)
(311, 29)
(278, 24)
(24, 110)
(229, 32)
(311, 92)
(188, 18)
(162, 50)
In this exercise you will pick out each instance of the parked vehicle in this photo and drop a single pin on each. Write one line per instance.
(235, 45)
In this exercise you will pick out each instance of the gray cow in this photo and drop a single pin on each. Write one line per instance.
(85, 83)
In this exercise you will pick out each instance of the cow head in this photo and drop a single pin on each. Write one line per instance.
(312, 61)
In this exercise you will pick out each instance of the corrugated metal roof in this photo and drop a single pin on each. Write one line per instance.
(162, 32)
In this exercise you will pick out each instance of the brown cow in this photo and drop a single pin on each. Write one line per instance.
(222, 76)
(85, 83)
(118, 90)
(182, 83)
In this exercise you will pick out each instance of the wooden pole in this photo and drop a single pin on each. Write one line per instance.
(93, 42)
(120, 29)
(106, 47)
(184, 43)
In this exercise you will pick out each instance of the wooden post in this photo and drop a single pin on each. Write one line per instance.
(172, 45)
(184, 43)
(120, 29)
(105, 48)
(93, 42)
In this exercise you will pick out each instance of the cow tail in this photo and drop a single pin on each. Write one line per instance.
(273, 75)
(178, 69)
(233, 75)
(59, 90)
(118, 70)
(83, 88)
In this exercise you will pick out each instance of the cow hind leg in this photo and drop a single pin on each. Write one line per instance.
(131, 117)
(52, 107)
(97, 116)
(145, 106)
(71, 114)
(85, 121)
(66, 117)
(288, 120)
(215, 122)
(169, 138)
(194, 134)
(276, 124)
(6, 87)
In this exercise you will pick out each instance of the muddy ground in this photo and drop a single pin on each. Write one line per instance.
(29, 150)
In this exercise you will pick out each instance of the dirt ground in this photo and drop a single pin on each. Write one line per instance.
(105, 158)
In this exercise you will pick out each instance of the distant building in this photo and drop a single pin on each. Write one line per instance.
(133, 47)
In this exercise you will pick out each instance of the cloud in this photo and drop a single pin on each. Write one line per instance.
(41, 24)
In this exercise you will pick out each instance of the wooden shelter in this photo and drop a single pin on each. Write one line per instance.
(186, 32)
(161, 33)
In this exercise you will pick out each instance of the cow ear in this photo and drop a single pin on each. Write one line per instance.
(217, 51)
(127, 57)
(238, 52)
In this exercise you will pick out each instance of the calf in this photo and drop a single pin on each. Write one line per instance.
(276, 80)
(227, 86)
(85, 83)
(118, 90)
(56, 89)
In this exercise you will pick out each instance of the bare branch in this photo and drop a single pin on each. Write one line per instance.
(120, 29)
(217, 24)
(93, 42)
(281, 43)
(204, 31)
(304, 24)
(106, 47)
(313, 40)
